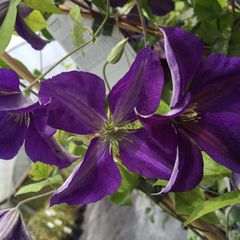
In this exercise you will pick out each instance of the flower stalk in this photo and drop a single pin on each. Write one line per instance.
(144, 29)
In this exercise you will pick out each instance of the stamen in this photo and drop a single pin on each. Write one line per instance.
(20, 118)
(191, 114)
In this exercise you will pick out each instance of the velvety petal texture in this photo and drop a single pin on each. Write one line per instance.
(26, 33)
(140, 88)
(13, 132)
(217, 74)
(118, 3)
(77, 102)
(9, 81)
(188, 168)
(141, 155)
(12, 226)
(45, 149)
(161, 7)
(184, 54)
(96, 177)
(218, 134)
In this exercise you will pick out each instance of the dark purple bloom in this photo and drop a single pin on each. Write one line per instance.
(20, 26)
(78, 106)
(12, 226)
(22, 120)
(204, 109)
(158, 7)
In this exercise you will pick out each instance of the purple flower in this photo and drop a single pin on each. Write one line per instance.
(20, 26)
(158, 7)
(78, 106)
(12, 225)
(204, 112)
(22, 120)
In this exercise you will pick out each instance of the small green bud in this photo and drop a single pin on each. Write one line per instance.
(116, 53)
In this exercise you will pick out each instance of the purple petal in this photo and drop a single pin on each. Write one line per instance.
(236, 179)
(26, 33)
(20, 103)
(218, 134)
(78, 102)
(173, 113)
(9, 81)
(140, 88)
(24, 10)
(188, 168)
(216, 69)
(4, 5)
(13, 131)
(143, 156)
(161, 7)
(45, 149)
(184, 54)
(12, 225)
(97, 177)
(118, 3)
(217, 74)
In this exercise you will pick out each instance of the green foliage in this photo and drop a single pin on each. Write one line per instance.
(40, 171)
(36, 21)
(7, 27)
(78, 28)
(186, 202)
(43, 5)
(129, 181)
(213, 204)
(38, 186)
(213, 171)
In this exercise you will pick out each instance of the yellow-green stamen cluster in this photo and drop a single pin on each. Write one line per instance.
(191, 114)
(20, 118)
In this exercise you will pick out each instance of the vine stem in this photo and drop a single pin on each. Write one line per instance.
(18, 67)
(138, 3)
(105, 76)
(35, 197)
(210, 232)
(89, 42)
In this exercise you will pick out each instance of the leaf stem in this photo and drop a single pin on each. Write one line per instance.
(138, 3)
(17, 67)
(34, 197)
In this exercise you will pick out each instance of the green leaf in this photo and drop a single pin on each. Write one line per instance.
(43, 5)
(213, 204)
(36, 21)
(116, 53)
(129, 181)
(36, 187)
(207, 10)
(40, 171)
(78, 28)
(213, 171)
(186, 202)
(8, 24)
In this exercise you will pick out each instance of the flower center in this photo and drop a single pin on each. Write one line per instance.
(20, 118)
(191, 114)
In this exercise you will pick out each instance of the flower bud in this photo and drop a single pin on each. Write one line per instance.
(116, 53)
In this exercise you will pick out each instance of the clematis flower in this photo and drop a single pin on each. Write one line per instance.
(20, 26)
(12, 225)
(158, 7)
(22, 120)
(78, 106)
(204, 111)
